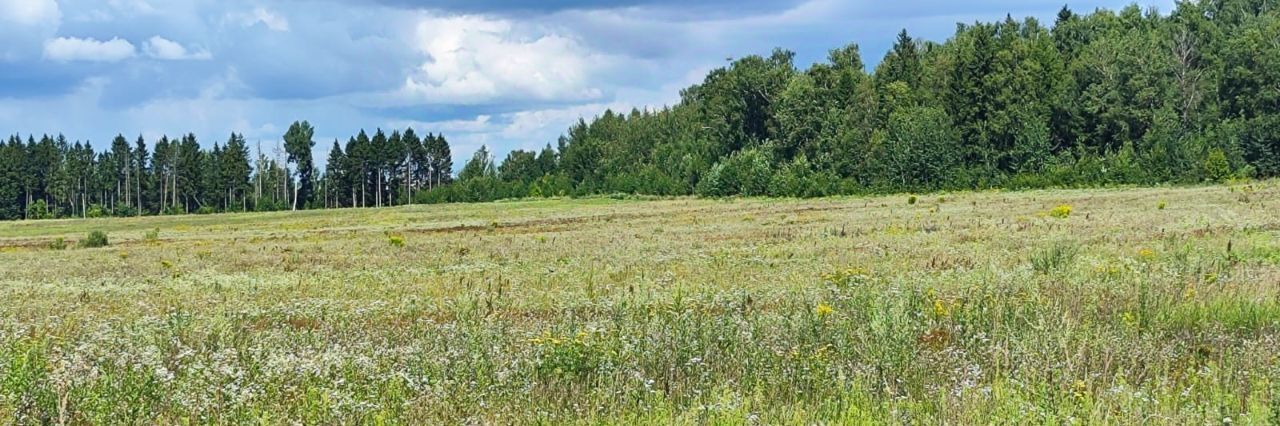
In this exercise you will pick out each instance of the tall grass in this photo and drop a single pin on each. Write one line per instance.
(580, 311)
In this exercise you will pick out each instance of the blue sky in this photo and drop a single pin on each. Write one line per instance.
(507, 74)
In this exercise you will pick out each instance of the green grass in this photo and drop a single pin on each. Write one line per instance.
(974, 308)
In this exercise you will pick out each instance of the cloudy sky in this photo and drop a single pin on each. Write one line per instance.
(508, 74)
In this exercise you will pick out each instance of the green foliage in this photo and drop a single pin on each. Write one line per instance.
(746, 172)
(298, 144)
(1055, 257)
(96, 211)
(1105, 98)
(479, 167)
(917, 150)
(94, 239)
(797, 178)
(58, 244)
(1216, 167)
(152, 236)
(38, 210)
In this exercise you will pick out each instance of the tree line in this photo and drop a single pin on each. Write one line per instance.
(1109, 97)
(51, 177)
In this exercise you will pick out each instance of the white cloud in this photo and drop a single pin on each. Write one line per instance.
(474, 59)
(267, 18)
(162, 48)
(132, 6)
(30, 12)
(87, 49)
(482, 123)
(24, 25)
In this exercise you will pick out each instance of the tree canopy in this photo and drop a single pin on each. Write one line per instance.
(1109, 97)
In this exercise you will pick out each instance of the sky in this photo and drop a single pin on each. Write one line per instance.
(503, 73)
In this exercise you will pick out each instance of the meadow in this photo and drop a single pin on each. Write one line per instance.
(1153, 306)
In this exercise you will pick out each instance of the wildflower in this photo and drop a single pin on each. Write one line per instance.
(940, 309)
(1147, 254)
(1080, 388)
(1061, 212)
(823, 310)
(1130, 319)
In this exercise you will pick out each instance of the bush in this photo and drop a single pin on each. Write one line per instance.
(1055, 257)
(1061, 212)
(152, 235)
(58, 244)
(267, 205)
(799, 179)
(1216, 167)
(38, 210)
(747, 172)
(96, 211)
(94, 239)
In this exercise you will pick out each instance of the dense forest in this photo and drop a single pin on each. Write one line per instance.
(50, 177)
(1128, 97)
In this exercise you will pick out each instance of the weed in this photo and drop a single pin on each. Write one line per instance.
(94, 239)
(58, 244)
(677, 312)
(1055, 257)
(1061, 212)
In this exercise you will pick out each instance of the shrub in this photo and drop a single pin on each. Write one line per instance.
(94, 239)
(1216, 167)
(38, 210)
(747, 172)
(1055, 257)
(58, 244)
(152, 235)
(96, 211)
(395, 240)
(1061, 212)
(911, 201)
(126, 212)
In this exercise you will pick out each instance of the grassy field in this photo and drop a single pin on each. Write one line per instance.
(1093, 306)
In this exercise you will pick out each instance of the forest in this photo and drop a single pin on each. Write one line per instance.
(1105, 98)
